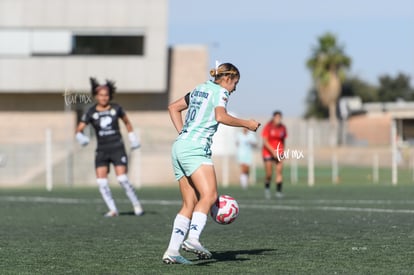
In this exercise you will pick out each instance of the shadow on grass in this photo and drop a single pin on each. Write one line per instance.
(131, 213)
(234, 255)
(127, 213)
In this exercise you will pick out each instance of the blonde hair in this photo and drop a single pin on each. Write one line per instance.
(225, 69)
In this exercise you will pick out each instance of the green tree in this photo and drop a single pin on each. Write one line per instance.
(314, 107)
(328, 63)
(393, 88)
(355, 86)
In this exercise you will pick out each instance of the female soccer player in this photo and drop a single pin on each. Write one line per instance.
(104, 117)
(191, 157)
(274, 135)
(246, 141)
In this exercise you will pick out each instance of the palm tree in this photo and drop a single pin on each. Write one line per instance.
(328, 64)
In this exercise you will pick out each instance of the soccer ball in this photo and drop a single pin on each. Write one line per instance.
(225, 210)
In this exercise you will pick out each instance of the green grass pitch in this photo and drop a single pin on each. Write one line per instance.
(326, 229)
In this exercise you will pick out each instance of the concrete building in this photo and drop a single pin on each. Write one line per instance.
(48, 47)
(372, 125)
(48, 51)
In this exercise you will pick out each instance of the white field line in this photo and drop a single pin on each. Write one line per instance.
(328, 208)
(37, 199)
(353, 202)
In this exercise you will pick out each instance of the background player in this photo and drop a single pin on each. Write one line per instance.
(274, 135)
(104, 117)
(191, 157)
(246, 141)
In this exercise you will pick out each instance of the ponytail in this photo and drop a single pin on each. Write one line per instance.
(225, 69)
(109, 85)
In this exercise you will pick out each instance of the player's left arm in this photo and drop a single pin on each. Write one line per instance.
(127, 123)
(285, 134)
(133, 139)
(221, 115)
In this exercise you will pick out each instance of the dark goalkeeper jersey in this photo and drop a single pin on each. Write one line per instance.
(106, 125)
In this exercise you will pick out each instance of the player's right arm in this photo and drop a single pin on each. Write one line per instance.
(80, 137)
(175, 109)
(266, 143)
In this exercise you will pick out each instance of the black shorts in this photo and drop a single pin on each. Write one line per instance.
(271, 159)
(117, 156)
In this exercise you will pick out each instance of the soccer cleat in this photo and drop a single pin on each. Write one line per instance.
(267, 194)
(178, 259)
(195, 247)
(111, 213)
(138, 211)
(279, 195)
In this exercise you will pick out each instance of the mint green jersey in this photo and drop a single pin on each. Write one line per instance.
(200, 122)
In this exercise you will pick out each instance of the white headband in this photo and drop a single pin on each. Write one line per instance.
(217, 65)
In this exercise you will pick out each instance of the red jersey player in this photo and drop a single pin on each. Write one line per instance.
(274, 135)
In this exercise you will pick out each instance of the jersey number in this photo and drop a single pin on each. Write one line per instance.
(190, 115)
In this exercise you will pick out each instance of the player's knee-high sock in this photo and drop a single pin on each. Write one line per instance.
(180, 229)
(198, 222)
(267, 189)
(244, 180)
(129, 189)
(279, 186)
(106, 193)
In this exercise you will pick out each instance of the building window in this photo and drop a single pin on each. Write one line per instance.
(107, 44)
(54, 42)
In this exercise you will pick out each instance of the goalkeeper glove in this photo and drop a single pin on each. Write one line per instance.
(82, 139)
(133, 139)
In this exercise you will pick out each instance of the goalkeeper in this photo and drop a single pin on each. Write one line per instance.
(104, 116)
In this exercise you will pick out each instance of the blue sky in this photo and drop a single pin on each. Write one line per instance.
(269, 41)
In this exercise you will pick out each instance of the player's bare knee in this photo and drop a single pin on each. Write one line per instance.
(189, 204)
(210, 198)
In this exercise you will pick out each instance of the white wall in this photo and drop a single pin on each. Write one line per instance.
(21, 72)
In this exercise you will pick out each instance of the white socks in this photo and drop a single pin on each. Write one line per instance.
(106, 193)
(198, 222)
(244, 180)
(129, 189)
(180, 229)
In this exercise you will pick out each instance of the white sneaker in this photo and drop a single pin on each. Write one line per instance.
(138, 210)
(111, 214)
(267, 194)
(174, 259)
(279, 195)
(195, 247)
